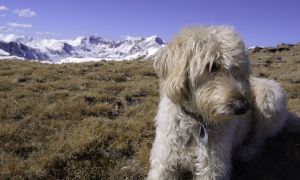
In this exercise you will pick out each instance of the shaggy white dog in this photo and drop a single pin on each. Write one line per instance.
(211, 107)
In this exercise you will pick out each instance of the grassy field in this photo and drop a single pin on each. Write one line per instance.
(95, 120)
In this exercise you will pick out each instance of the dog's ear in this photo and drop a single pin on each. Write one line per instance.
(171, 65)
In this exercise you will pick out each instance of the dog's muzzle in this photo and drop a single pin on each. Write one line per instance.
(240, 106)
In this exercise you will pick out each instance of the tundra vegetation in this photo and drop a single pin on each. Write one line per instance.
(95, 120)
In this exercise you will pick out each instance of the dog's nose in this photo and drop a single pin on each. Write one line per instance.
(240, 106)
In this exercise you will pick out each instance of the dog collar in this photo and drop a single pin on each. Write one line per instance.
(203, 126)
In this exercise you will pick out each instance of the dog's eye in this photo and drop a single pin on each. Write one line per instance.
(214, 68)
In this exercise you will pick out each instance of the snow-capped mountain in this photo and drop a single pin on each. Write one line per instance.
(20, 50)
(80, 49)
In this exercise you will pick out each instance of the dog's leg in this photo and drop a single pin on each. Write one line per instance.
(164, 155)
(268, 115)
(214, 162)
(162, 161)
(161, 173)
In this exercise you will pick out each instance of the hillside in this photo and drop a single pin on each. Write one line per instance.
(95, 120)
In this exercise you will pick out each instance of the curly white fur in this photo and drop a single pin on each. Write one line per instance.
(205, 70)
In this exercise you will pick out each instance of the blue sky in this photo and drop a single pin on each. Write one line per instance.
(260, 22)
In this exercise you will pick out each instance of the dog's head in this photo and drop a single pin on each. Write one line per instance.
(206, 70)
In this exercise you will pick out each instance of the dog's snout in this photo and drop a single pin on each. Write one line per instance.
(240, 106)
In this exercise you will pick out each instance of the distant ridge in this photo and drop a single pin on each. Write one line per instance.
(80, 49)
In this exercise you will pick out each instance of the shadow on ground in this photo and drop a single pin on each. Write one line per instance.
(280, 160)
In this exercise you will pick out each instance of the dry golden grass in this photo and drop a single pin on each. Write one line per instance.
(91, 120)
(95, 120)
(284, 67)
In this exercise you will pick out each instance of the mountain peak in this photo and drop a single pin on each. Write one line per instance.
(94, 39)
(15, 38)
(81, 48)
(133, 38)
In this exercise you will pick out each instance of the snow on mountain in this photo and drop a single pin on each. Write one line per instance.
(80, 49)
(253, 47)
(11, 58)
(3, 53)
(20, 50)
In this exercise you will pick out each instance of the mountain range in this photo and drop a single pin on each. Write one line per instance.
(80, 49)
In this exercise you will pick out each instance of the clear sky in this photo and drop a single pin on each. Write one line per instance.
(260, 22)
